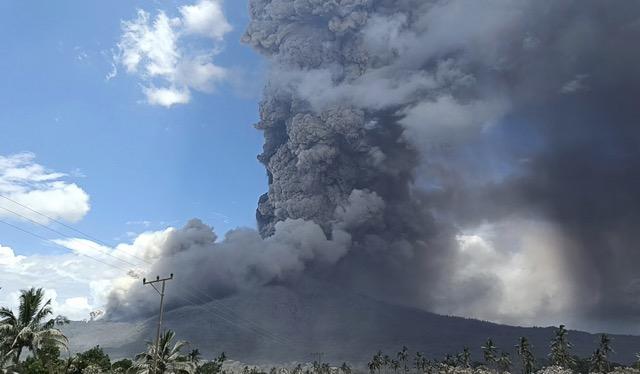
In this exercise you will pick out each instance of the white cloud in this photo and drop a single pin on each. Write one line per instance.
(74, 307)
(166, 97)
(8, 257)
(206, 18)
(162, 52)
(31, 185)
(67, 280)
(84, 247)
(151, 45)
(79, 282)
(200, 74)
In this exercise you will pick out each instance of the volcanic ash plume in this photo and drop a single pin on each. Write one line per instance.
(475, 158)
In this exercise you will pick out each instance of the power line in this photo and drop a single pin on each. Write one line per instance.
(87, 236)
(264, 334)
(227, 310)
(236, 320)
(228, 316)
(203, 305)
(63, 235)
(252, 325)
(60, 245)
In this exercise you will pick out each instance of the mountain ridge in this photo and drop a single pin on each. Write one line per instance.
(279, 323)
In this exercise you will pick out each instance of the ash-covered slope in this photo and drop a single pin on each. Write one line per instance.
(278, 324)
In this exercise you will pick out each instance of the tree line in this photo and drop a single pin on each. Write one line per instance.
(31, 342)
(560, 359)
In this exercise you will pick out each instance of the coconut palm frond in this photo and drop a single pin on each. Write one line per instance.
(170, 358)
(28, 329)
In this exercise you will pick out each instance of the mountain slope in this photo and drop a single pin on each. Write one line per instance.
(283, 324)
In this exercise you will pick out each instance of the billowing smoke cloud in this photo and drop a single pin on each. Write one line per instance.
(217, 269)
(476, 158)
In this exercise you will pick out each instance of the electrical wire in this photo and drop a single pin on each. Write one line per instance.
(228, 315)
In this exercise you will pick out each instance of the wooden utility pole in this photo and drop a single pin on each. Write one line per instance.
(161, 293)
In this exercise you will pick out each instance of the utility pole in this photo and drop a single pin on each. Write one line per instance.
(161, 293)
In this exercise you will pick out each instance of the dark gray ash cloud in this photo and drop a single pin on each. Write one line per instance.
(473, 158)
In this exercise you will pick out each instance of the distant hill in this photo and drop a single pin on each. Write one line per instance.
(278, 324)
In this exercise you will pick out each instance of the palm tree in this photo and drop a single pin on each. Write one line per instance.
(449, 360)
(489, 351)
(598, 362)
(379, 361)
(325, 368)
(169, 358)
(605, 345)
(30, 329)
(345, 368)
(560, 347)
(4, 358)
(524, 351)
(386, 362)
(395, 365)
(321, 367)
(464, 358)
(421, 363)
(372, 366)
(600, 358)
(504, 363)
(195, 356)
(403, 355)
(417, 362)
(376, 363)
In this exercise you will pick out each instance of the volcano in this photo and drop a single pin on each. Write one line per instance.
(283, 323)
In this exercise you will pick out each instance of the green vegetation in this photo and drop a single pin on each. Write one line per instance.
(168, 359)
(600, 358)
(523, 349)
(560, 347)
(31, 343)
(30, 329)
(496, 361)
(94, 358)
(489, 351)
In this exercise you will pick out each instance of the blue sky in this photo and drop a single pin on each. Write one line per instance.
(143, 166)
(128, 118)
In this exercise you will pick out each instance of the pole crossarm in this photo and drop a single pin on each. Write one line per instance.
(157, 280)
